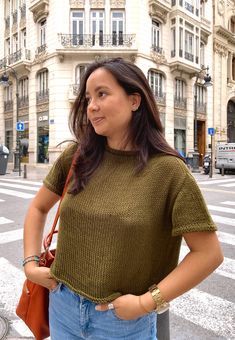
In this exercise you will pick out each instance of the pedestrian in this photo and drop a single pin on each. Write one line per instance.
(130, 202)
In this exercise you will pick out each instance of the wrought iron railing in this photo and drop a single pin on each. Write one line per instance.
(41, 49)
(189, 7)
(18, 55)
(15, 16)
(42, 96)
(188, 56)
(172, 53)
(160, 97)
(8, 105)
(7, 22)
(157, 49)
(180, 103)
(23, 101)
(201, 107)
(89, 40)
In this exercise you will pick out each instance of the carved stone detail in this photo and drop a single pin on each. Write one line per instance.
(40, 58)
(22, 23)
(117, 3)
(77, 3)
(158, 58)
(158, 10)
(97, 3)
(220, 49)
(220, 7)
(40, 9)
(42, 108)
(7, 32)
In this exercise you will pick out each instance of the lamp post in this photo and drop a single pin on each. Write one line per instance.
(4, 80)
(207, 83)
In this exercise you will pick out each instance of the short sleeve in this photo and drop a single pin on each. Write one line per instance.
(55, 179)
(190, 212)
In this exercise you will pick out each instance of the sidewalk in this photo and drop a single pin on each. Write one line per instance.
(33, 172)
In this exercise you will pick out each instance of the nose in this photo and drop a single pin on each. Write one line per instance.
(92, 105)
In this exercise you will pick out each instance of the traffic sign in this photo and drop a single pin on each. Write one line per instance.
(211, 131)
(20, 126)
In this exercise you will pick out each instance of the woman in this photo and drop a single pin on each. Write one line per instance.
(130, 202)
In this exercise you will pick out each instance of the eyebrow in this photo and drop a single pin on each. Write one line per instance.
(98, 88)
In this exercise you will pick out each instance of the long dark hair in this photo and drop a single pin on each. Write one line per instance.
(145, 132)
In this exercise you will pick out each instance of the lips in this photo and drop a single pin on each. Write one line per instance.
(97, 120)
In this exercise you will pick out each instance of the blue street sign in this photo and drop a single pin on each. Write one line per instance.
(19, 126)
(211, 131)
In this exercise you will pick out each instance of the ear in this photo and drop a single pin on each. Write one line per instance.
(135, 101)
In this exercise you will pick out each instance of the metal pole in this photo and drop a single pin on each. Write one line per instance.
(195, 153)
(211, 162)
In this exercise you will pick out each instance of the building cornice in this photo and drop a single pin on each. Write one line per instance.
(220, 48)
(159, 9)
(224, 33)
(40, 9)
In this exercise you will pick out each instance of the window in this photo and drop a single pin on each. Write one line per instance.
(80, 70)
(203, 8)
(23, 38)
(232, 24)
(23, 88)
(7, 47)
(181, 42)
(43, 82)
(42, 32)
(189, 5)
(117, 27)
(97, 26)
(156, 81)
(8, 93)
(156, 36)
(202, 54)
(189, 40)
(77, 27)
(179, 89)
(173, 42)
(233, 68)
(201, 98)
(15, 42)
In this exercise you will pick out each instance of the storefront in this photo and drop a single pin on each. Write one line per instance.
(42, 137)
(180, 135)
(9, 137)
(24, 139)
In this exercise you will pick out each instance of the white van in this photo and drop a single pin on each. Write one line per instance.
(225, 156)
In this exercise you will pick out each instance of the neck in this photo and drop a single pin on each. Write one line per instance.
(120, 145)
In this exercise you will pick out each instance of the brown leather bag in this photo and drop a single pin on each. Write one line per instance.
(34, 301)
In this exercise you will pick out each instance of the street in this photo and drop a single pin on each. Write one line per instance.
(207, 312)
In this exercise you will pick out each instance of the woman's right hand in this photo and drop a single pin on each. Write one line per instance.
(40, 275)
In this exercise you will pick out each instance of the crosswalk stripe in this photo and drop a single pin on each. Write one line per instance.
(208, 311)
(223, 220)
(226, 238)
(227, 268)
(221, 209)
(217, 181)
(16, 193)
(230, 185)
(19, 186)
(11, 236)
(11, 283)
(228, 202)
(20, 181)
(4, 220)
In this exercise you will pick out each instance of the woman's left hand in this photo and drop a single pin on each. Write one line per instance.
(127, 307)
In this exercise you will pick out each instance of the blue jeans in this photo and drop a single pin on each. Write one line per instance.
(73, 317)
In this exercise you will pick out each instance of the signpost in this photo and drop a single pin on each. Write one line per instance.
(211, 132)
(20, 127)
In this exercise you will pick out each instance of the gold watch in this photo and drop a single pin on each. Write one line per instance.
(161, 305)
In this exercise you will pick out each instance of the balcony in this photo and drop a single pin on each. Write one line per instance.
(157, 49)
(97, 41)
(41, 49)
(42, 96)
(39, 8)
(160, 98)
(8, 105)
(23, 101)
(201, 107)
(180, 103)
(22, 55)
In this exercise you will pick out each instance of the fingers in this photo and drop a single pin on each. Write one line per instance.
(104, 307)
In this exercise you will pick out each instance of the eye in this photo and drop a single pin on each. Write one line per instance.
(102, 94)
(88, 100)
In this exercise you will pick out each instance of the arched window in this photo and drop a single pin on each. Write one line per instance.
(80, 70)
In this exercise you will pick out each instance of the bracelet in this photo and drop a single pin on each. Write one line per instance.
(31, 258)
(141, 305)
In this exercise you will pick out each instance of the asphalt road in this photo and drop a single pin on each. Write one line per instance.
(205, 313)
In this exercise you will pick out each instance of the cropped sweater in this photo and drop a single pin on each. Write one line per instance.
(123, 232)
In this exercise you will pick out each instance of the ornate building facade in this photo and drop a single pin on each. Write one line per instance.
(45, 49)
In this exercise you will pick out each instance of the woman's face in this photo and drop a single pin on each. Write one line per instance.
(109, 108)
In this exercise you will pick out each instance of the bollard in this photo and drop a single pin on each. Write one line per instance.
(222, 170)
(25, 171)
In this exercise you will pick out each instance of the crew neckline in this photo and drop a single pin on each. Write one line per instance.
(121, 152)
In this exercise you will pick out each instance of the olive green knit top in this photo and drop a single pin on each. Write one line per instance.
(123, 232)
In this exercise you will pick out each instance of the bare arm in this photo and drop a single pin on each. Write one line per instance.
(33, 232)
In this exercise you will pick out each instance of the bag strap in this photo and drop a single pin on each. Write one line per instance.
(48, 239)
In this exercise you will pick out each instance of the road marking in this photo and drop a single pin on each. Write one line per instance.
(4, 220)
(226, 238)
(228, 202)
(227, 185)
(19, 186)
(208, 311)
(218, 190)
(16, 193)
(223, 220)
(227, 268)
(11, 236)
(11, 283)
(217, 181)
(221, 209)
(20, 181)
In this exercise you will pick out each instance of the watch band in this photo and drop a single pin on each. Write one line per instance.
(161, 304)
